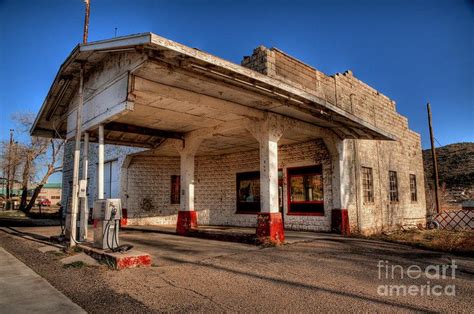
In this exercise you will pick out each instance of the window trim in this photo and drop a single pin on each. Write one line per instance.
(238, 177)
(280, 185)
(415, 190)
(289, 212)
(396, 190)
(370, 200)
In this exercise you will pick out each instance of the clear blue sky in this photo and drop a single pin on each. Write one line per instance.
(412, 51)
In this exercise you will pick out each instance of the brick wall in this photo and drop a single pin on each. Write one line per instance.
(215, 189)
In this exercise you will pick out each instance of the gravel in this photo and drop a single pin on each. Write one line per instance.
(83, 285)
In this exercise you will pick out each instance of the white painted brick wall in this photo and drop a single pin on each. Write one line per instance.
(215, 187)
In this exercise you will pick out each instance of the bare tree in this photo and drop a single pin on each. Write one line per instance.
(53, 165)
(38, 156)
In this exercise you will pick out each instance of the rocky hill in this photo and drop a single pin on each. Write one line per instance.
(456, 171)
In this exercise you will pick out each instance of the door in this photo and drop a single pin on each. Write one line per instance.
(111, 179)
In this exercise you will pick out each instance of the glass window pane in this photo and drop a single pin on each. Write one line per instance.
(249, 190)
(306, 190)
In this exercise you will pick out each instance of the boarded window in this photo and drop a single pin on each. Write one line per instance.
(175, 188)
(305, 190)
(367, 185)
(413, 194)
(393, 186)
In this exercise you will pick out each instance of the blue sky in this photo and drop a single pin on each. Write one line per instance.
(412, 51)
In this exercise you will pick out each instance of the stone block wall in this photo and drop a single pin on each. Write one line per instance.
(403, 156)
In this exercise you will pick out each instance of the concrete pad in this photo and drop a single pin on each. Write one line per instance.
(119, 260)
(24, 291)
(80, 257)
(48, 248)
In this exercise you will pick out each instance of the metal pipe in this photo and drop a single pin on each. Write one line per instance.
(77, 151)
(84, 203)
(100, 168)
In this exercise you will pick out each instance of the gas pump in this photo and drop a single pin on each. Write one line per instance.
(107, 214)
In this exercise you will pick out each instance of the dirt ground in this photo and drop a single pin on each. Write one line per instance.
(461, 242)
(329, 273)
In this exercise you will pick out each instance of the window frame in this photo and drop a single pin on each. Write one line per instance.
(250, 174)
(368, 194)
(313, 170)
(175, 188)
(413, 188)
(253, 207)
(393, 194)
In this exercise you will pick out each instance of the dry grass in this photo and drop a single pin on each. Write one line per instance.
(439, 240)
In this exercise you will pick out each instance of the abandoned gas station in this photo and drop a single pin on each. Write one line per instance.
(183, 137)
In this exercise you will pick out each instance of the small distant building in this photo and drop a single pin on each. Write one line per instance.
(16, 191)
(51, 191)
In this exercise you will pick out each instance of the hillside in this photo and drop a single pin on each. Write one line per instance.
(456, 171)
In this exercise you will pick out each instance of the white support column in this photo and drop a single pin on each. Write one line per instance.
(342, 173)
(341, 186)
(187, 218)
(269, 171)
(269, 221)
(84, 213)
(100, 167)
(187, 181)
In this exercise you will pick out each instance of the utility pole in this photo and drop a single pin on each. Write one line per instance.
(77, 150)
(86, 21)
(9, 165)
(435, 162)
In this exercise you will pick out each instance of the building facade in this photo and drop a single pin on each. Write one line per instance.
(52, 192)
(290, 148)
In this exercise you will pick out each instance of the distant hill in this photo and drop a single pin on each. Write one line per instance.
(456, 171)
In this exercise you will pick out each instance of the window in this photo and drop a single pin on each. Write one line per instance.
(111, 179)
(305, 191)
(393, 186)
(413, 195)
(367, 185)
(248, 192)
(175, 188)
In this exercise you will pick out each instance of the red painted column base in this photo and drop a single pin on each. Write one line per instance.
(270, 228)
(187, 220)
(340, 221)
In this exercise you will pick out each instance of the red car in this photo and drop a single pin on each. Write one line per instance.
(44, 202)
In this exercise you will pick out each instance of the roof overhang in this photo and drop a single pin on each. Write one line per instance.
(65, 84)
